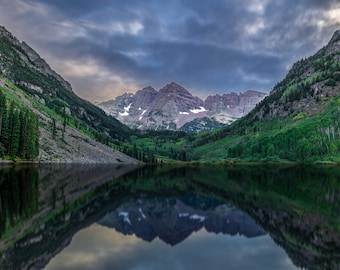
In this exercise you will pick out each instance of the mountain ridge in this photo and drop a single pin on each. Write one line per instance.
(173, 106)
(71, 129)
(297, 121)
(30, 58)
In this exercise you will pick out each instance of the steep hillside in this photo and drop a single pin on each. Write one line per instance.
(23, 66)
(298, 121)
(71, 129)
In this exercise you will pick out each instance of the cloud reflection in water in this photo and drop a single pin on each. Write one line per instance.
(98, 247)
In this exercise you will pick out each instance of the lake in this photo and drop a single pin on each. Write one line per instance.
(167, 217)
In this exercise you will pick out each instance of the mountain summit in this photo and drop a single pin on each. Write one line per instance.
(23, 58)
(174, 107)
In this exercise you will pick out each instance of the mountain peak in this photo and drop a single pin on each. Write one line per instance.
(4, 31)
(333, 45)
(148, 89)
(27, 57)
(173, 84)
(336, 34)
(173, 87)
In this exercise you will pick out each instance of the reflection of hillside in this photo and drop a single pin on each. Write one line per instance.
(307, 241)
(173, 221)
(298, 207)
(18, 196)
(36, 200)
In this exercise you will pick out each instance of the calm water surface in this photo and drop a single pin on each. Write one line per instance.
(115, 217)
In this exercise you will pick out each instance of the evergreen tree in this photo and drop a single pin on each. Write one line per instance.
(2, 109)
(23, 133)
(14, 131)
(34, 136)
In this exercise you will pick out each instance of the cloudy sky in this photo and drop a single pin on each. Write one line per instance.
(108, 47)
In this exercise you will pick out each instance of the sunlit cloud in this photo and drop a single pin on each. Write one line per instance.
(334, 15)
(90, 76)
(92, 245)
(257, 6)
(255, 27)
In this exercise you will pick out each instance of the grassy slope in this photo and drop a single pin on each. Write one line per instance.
(68, 144)
(298, 121)
(295, 139)
(18, 66)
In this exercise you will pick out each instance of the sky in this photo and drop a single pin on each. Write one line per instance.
(108, 47)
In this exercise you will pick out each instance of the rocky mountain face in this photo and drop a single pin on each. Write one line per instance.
(29, 59)
(63, 116)
(151, 218)
(173, 106)
(308, 87)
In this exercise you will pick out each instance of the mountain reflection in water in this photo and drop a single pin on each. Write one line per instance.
(173, 219)
(74, 217)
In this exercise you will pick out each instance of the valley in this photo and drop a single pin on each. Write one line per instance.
(298, 121)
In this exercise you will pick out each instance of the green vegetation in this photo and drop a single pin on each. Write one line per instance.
(298, 121)
(300, 138)
(157, 146)
(299, 132)
(19, 195)
(56, 96)
(19, 130)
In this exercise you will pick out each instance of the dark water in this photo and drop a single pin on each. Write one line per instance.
(115, 217)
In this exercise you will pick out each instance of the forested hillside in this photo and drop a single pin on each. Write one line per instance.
(23, 66)
(298, 121)
(19, 130)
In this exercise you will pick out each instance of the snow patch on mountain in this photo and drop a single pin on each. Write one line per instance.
(126, 110)
(126, 217)
(173, 106)
(141, 116)
(201, 109)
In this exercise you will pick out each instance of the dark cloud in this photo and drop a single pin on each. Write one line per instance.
(209, 47)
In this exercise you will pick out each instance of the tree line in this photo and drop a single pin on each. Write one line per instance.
(19, 131)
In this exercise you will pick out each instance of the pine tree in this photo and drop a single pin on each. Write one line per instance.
(14, 131)
(2, 109)
(3, 124)
(31, 139)
(34, 127)
(23, 133)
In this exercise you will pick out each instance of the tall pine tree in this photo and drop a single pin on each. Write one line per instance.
(14, 131)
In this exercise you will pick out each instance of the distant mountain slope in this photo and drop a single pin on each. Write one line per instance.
(173, 106)
(299, 120)
(71, 128)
